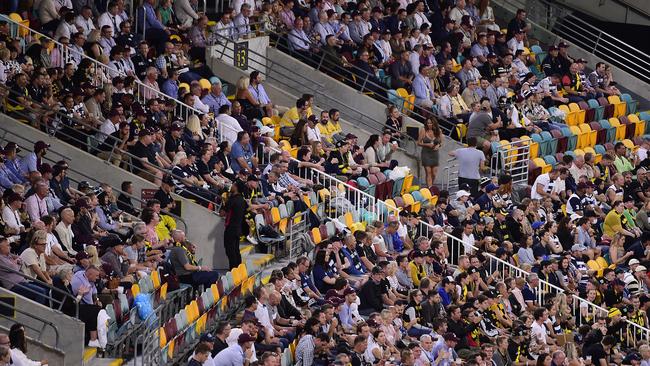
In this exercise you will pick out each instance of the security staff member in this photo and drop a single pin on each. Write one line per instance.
(552, 63)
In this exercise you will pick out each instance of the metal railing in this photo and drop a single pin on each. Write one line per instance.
(27, 147)
(358, 78)
(450, 174)
(38, 333)
(65, 296)
(511, 158)
(289, 78)
(30, 114)
(560, 20)
(101, 70)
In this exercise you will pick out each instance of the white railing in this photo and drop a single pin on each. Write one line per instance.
(512, 158)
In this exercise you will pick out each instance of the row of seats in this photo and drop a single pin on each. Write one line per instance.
(597, 109)
(221, 300)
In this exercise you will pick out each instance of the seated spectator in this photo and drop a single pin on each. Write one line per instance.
(18, 344)
(182, 257)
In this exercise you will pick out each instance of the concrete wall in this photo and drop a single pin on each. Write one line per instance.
(205, 228)
(630, 82)
(613, 11)
(70, 330)
(257, 47)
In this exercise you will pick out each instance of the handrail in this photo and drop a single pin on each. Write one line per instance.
(40, 332)
(84, 175)
(64, 294)
(95, 132)
(184, 109)
(447, 126)
(288, 75)
(555, 19)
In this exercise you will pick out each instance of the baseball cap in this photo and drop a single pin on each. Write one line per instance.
(491, 187)
(144, 132)
(350, 136)
(349, 291)
(207, 337)
(640, 268)
(447, 280)
(633, 261)
(491, 55)
(176, 127)
(614, 312)
(472, 270)
(84, 184)
(461, 193)
(537, 224)
(552, 48)
(450, 337)
(563, 45)
(40, 145)
(245, 337)
(11, 146)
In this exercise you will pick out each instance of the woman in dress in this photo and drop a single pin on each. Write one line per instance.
(430, 139)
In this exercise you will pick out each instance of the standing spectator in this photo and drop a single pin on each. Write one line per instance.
(471, 162)
(83, 287)
(235, 211)
(430, 140)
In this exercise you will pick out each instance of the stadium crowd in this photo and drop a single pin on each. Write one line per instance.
(388, 293)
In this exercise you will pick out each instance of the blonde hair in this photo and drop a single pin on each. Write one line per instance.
(5, 54)
(194, 125)
(177, 158)
(94, 36)
(94, 256)
(243, 83)
(38, 235)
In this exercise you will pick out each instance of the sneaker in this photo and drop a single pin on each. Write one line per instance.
(251, 239)
(94, 344)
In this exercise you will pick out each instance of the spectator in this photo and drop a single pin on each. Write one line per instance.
(18, 342)
(182, 257)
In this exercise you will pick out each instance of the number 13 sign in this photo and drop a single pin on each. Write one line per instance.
(241, 55)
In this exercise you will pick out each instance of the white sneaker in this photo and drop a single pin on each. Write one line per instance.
(251, 239)
(94, 344)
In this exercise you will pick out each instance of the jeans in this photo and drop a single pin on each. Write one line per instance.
(33, 291)
(417, 332)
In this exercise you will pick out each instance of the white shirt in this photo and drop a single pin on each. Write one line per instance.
(107, 128)
(52, 242)
(262, 314)
(232, 339)
(65, 29)
(545, 181)
(229, 129)
(108, 19)
(86, 24)
(18, 358)
(642, 153)
(538, 332)
(198, 104)
(11, 218)
(468, 242)
(313, 134)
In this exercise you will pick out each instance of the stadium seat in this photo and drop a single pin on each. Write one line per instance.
(608, 109)
(550, 141)
(591, 135)
(581, 137)
(631, 103)
(592, 151)
(561, 140)
(533, 150)
(550, 160)
(645, 116)
(601, 133)
(580, 113)
(598, 109)
(639, 125)
(590, 113)
(572, 139)
(620, 129)
(629, 127)
(620, 107)
(570, 118)
(534, 170)
(543, 165)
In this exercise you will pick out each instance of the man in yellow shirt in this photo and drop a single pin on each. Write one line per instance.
(291, 117)
(324, 128)
(613, 224)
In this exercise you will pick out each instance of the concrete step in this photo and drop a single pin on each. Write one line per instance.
(90, 359)
(246, 249)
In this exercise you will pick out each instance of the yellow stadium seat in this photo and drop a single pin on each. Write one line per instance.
(163, 337)
(163, 291)
(406, 184)
(170, 350)
(275, 215)
(629, 144)
(349, 219)
(620, 128)
(315, 235)
(581, 136)
(267, 121)
(571, 117)
(533, 146)
(215, 291)
(135, 289)
(324, 194)
(404, 94)
(580, 114)
(591, 136)
(409, 202)
(184, 85)
(391, 206)
(620, 107)
(640, 124)
(426, 194)
(155, 279)
(542, 164)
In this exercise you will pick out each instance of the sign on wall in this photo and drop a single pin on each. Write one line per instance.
(241, 55)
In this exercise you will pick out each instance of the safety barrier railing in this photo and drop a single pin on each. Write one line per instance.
(53, 157)
(256, 29)
(35, 332)
(55, 302)
(148, 341)
(511, 158)
(101, 71)
(560, 20)
(34, 115)
(288, 78)
(450, 174)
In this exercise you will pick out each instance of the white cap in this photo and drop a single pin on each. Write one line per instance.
(640, 269)
(266, 129)
(633, 261)
(461, 193)
(575, 216)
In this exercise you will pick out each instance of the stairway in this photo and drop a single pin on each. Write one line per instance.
(90, 359)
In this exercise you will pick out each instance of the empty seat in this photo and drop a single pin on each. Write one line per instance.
(580, 113)
(601, 133)
(640, 125)
(598, 109)
(620, 129)
(590, 135)
(571, 117)
(590, 113)
(631, 103)
(620, 107)
(608, 108)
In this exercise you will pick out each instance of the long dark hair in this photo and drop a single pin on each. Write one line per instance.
(17, 337)
(320, 258)
(435, 127)
(372, 140)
